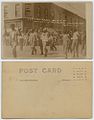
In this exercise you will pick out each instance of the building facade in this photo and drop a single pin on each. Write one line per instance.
(35, 15)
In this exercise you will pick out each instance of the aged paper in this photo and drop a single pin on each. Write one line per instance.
(47, 89)
(47, 30)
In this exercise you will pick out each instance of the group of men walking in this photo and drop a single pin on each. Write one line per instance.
(44, 38)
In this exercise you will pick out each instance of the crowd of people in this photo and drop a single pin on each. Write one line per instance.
(44, 38)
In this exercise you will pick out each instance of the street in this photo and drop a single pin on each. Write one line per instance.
(26, 52)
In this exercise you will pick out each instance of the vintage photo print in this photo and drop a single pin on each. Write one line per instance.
(47, 30)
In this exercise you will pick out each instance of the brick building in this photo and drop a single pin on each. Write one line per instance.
(34, 15)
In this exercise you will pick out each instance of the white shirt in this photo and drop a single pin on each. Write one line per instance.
(44, 37)
(75, 35)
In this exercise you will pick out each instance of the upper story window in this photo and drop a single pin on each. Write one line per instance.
(71, 20)
(66, 19)
(60, 16)
(17, 10)
(27, 9)
(46, 13)
(52, 14)
(38, 11)
(5, 11)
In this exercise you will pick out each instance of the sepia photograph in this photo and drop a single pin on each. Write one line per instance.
(46, 30)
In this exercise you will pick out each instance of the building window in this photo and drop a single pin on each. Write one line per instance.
(71, 20)
(5, 11)
(46, 13)
(27, 9)
(39, 12)
(78, 20)
(66, 19)
(52, 16)
(60, 16)
(17, 10)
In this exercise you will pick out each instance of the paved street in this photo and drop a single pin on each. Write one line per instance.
(26, 53)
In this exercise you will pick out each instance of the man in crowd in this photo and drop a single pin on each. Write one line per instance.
(40, 40)
(75, 43)
(44, 37)
(65, 43)
(32, 41)
(13, 39)
(20, 38)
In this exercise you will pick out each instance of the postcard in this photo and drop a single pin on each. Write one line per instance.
(45, 89)
(47, 30)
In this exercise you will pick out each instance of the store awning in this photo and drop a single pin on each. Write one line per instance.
(74, 7)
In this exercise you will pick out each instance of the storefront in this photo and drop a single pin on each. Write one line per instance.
(38, 15)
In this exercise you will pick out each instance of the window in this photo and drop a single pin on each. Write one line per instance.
(66, 19)
(46, 13)
(38, 11)
(60, 16)
(71, 20)
(5, 11)
(17, 10)
(27, 9)
(52, 14)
